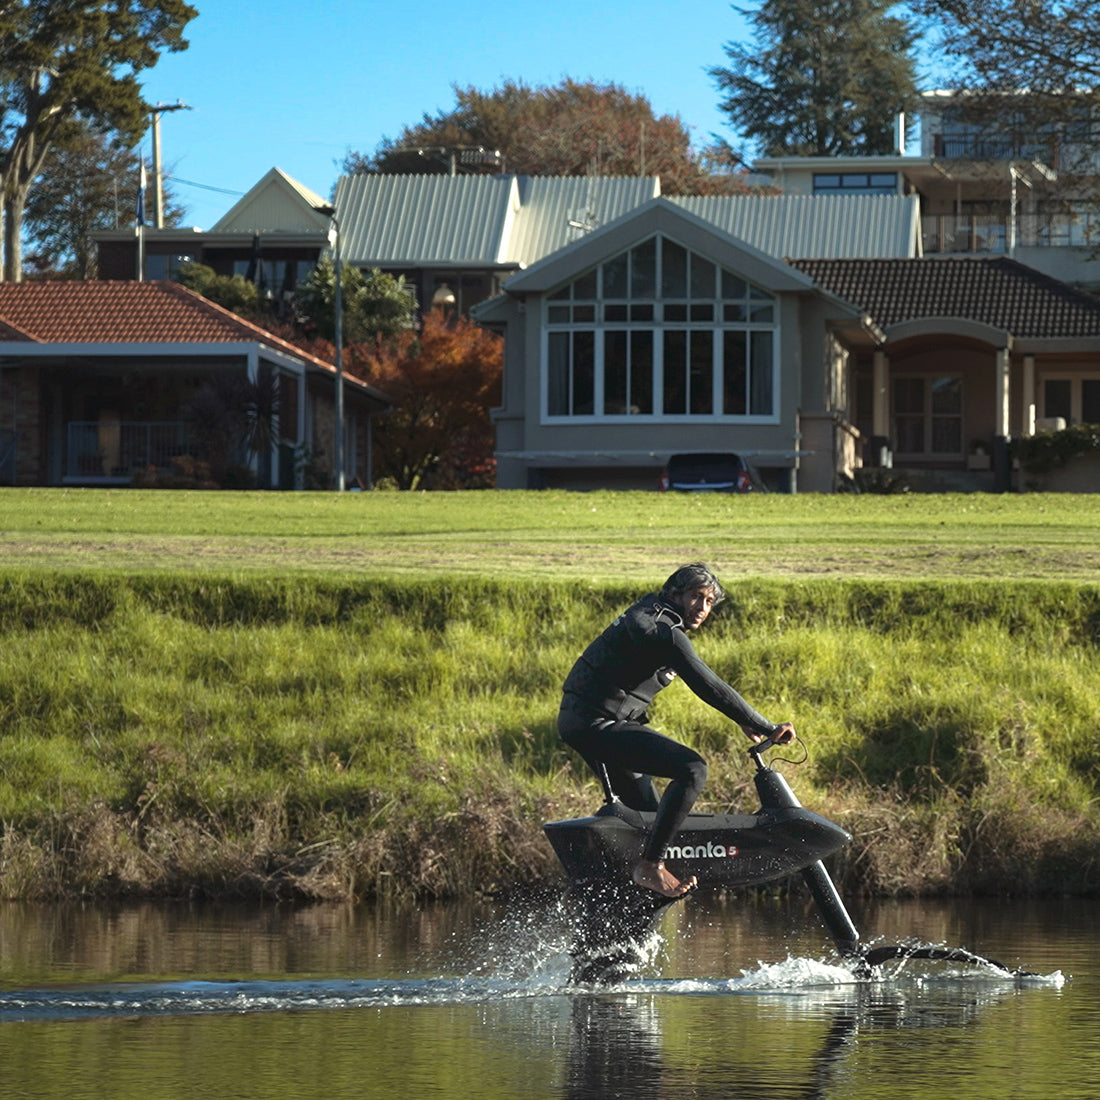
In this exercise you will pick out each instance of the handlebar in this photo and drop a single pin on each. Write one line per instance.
(759, 748)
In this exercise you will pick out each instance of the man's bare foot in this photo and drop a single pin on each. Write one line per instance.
(656, 877)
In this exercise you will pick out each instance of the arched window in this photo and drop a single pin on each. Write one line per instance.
(660, 331)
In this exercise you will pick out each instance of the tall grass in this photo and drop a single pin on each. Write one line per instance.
(219, 735)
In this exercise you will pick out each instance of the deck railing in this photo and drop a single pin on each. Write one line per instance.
(992, 232)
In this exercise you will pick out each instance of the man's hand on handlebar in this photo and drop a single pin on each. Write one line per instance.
(784, 734)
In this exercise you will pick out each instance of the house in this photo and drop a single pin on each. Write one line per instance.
(455, 240)
(997, 187)
(96, 379)
(272, 236)
(969, 352)
(662, 333)
(769, 328)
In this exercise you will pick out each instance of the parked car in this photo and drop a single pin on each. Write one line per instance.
(711, 472)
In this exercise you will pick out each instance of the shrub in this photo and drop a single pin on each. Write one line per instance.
(1046, 451)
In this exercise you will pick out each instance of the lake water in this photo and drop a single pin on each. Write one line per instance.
(740, 998)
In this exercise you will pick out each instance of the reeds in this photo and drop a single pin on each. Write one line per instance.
(173, 734)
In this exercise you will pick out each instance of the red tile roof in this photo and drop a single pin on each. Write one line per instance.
(90, 312)
(995, 291)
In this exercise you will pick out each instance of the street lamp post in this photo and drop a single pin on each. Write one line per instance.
(338, 325)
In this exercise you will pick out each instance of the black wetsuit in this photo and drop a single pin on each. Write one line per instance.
(605, 705)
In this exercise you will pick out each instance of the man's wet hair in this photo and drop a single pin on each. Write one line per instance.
(690, 577)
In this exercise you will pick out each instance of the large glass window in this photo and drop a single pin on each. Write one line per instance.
(571, 374)
(660, 331)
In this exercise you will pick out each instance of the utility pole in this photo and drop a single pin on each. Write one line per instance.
(158, 193)
(338, 322)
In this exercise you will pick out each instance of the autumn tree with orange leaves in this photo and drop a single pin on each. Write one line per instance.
(443, 380)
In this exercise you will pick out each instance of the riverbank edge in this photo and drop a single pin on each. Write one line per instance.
(487, 838)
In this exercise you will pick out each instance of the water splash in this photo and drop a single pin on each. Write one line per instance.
(791, 978)
(526, 952)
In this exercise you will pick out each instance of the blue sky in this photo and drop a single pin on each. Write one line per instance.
(275, 83)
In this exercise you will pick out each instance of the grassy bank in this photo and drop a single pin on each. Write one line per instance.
(326, 735)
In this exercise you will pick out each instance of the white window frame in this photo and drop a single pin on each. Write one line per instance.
(658, 327)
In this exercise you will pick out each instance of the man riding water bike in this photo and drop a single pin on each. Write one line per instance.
(606, 699)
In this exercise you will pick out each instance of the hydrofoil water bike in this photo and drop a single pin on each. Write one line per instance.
(613, 915)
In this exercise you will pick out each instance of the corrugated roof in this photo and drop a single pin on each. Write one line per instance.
(811, 226)
(556, 210)
(995, 291)
(663, 216)
(388, 221)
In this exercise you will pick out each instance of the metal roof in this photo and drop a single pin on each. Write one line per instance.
(815, 226)
(387, 221)
(659, 215)
(556, 210)
(514, 221)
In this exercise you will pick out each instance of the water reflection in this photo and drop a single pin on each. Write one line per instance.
(615, 1048)
(617, 1051)
(56, 943)
(618, 1047)
(334, 1002)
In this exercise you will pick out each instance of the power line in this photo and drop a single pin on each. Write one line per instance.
(204, 186)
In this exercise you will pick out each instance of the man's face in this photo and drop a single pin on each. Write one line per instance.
(696, 604)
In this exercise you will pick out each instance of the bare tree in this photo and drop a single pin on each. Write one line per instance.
(89, 181)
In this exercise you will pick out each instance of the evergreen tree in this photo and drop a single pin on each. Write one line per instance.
(372, 305)
(821, 78)
(232, 292)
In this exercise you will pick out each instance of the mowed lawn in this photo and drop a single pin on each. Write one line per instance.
(542, 535)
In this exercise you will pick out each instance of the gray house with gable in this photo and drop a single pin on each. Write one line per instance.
(661, 333)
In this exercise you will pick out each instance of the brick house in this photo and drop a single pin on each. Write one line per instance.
(96, 379)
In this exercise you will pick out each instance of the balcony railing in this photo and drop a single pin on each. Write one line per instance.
(115, 450)
(991, 232)
(974, 147)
